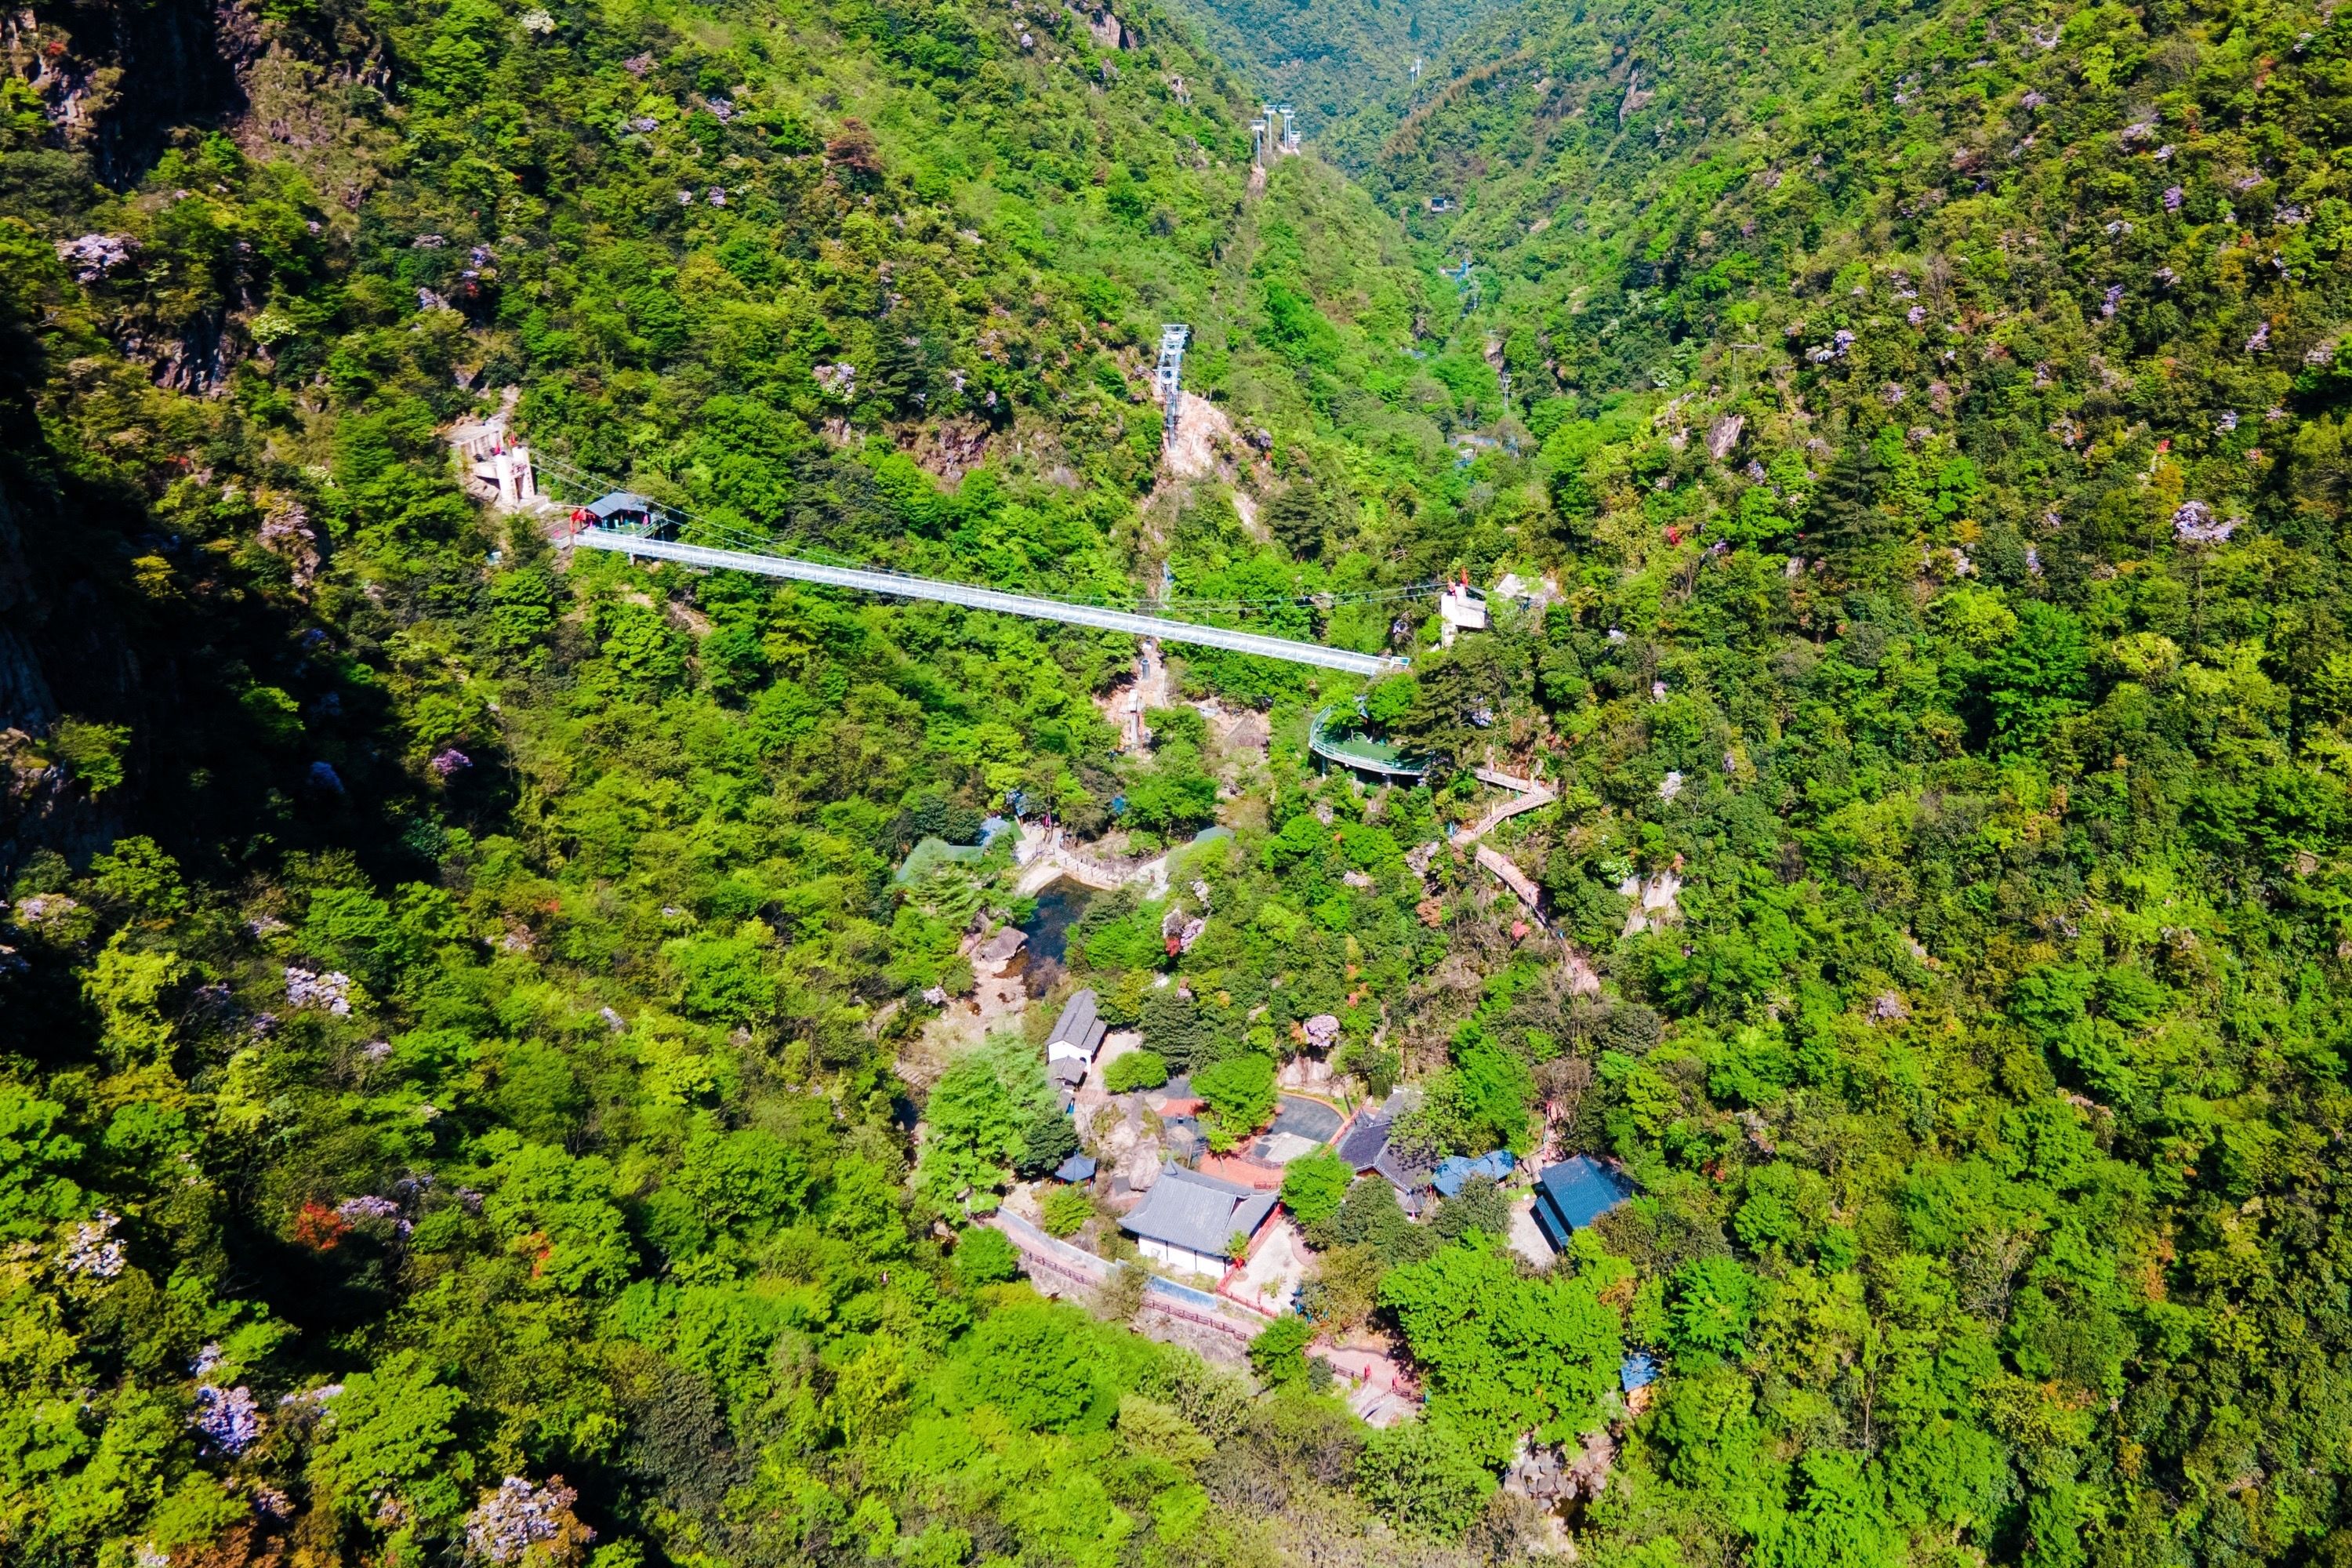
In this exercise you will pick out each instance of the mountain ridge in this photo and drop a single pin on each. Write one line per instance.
(1331, 62)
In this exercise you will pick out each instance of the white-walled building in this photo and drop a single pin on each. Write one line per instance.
(1077, 1036)
(1188, 1220)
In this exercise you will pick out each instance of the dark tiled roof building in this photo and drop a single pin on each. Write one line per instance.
(1187, 1219)
(1363, 1141)
(1077, 1036)
(1079, 1028)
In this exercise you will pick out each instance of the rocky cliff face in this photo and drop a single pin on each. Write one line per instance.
(121, 83)
(60, 653)
(116, 79)
(27, 702)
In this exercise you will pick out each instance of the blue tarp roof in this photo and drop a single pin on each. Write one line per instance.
(1452, 1171)
(1636, 1371)
(1076, 1168)
(1573, 1194)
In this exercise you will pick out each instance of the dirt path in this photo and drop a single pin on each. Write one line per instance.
(995, 1004)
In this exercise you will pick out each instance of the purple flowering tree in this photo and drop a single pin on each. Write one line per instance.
(93, 1252)
(2194, 523)
(373, 1211)
(227, 1418)
(534, 1526)
(331, 992)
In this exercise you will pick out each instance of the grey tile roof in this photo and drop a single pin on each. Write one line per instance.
(1186, 1209)
(1403, 1178)
(1079, 1025)
(1362, 1145)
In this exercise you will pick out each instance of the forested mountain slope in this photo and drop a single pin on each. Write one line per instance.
(450, 1002)
(1944, 411)
(462, 1030)
(1332, 62)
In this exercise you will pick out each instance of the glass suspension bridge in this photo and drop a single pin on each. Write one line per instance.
(636, 526)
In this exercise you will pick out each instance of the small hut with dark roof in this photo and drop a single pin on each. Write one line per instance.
(1077, 1036)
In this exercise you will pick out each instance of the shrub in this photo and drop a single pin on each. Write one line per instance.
(1050, 1139)
(1313, 1185)
(1278, 1355)
(1121, 1295)
(1067, 1211)
(1712, 1306)
(984, 1256)
(1173, 1027)
(1423, 1478)
(1479, 1205)
(1240, 1096)
(92, 752)
(1136, 1070)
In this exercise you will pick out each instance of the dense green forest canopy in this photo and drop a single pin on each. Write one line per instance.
(1337, 63)
(461, 1033)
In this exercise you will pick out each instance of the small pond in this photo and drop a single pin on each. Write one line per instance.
(1058, 909)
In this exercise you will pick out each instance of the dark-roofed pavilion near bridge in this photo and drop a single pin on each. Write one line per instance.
(621, 507)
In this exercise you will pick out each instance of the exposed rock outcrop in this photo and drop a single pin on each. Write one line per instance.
(60, 653)
(117, 80)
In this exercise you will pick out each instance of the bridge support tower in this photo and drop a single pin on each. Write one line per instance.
(1170, 377)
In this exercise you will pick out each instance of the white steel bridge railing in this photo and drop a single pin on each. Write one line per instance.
(902, 586)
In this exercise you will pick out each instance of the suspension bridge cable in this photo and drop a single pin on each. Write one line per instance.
(592, 484)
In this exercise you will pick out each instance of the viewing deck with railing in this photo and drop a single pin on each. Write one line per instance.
(1359, 752)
